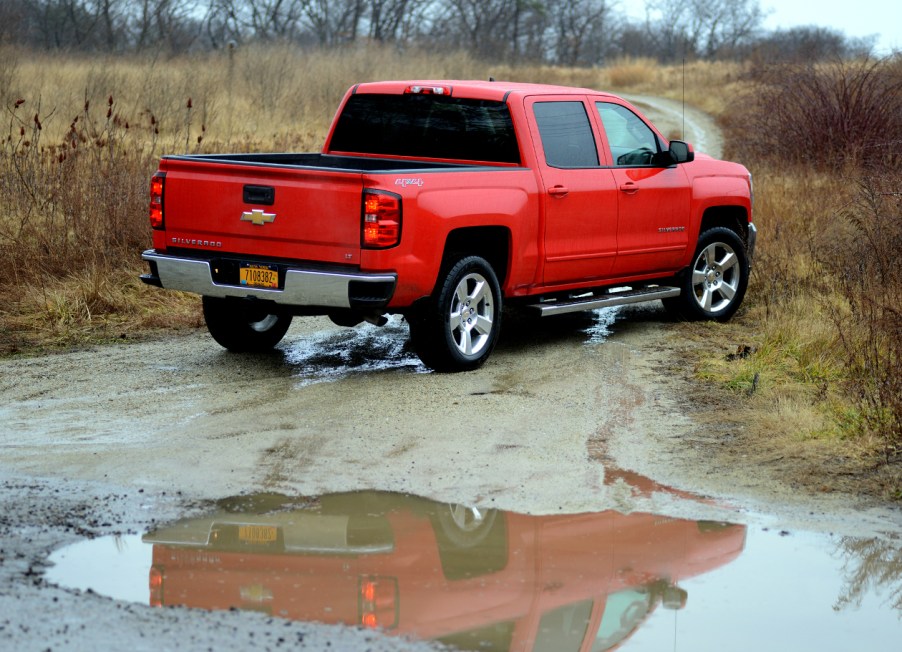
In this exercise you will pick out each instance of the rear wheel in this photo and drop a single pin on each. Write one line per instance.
(458, 327)
(242, 327)
(714, 286)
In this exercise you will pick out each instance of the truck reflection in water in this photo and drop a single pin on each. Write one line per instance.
(469, 577)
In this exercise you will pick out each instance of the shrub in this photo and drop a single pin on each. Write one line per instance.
(79, 201)
(829, 116)
(862, 258)
(830, 136)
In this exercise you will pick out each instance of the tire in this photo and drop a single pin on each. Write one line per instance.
(464, 526)
(471, 543)
(458, 327)
(715, 283)
(242, 327)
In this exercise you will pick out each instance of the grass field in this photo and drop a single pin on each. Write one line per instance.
(82, 137)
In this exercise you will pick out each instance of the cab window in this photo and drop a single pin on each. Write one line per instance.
(566, 133)
(632, 142)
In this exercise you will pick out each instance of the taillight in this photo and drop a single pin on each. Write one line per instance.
(156, 200)
(156, 586)
(378, 602)
(381, 219)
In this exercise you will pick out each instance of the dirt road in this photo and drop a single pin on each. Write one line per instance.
(333, 409)
(675, 120)
(123, 436)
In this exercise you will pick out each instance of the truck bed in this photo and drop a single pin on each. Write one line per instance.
(319, 161)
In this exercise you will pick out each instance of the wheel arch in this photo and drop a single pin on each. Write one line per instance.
(492, 243)
(735, 218)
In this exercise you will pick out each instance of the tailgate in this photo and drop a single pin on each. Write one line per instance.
(291, 213)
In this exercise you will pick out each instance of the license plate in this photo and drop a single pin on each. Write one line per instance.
(257, 534)
(259, 276)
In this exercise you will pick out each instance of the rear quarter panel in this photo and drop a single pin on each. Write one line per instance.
(437, 203)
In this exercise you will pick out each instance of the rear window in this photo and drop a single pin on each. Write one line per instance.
(427, 126)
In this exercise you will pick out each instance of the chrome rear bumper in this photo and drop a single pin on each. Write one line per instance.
(301, 288)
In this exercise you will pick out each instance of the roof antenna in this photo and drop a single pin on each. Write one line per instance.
(683, 132)
(491, 79)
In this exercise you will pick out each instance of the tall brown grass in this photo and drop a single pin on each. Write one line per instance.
(83, 135)
(823, 142)
(861, 256)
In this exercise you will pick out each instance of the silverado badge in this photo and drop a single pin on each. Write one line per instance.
(258, 217)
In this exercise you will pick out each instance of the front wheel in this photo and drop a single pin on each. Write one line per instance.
(242, 327)
(458, 327)
(714, 286)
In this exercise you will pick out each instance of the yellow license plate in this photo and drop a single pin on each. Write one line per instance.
(257, 533)
(258, 276)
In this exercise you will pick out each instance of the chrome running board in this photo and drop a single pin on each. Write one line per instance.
(596, 301)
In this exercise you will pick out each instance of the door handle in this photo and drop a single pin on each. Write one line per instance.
(260, 195)
(558, 191)
(629, 187)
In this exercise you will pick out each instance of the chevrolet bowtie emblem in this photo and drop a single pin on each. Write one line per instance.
(258, 217)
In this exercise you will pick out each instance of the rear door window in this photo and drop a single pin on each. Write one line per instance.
(566, 134)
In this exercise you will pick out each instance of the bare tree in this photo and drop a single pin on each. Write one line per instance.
(168, 24)
(393, 20)
(274, 19)
(578, 25)
(566, 32)
(63, 23)
(809, 43)
(263, 20)
(703, 27)
(334, 21)
(493, 28)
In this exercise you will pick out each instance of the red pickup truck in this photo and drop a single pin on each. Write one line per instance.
(443, 200)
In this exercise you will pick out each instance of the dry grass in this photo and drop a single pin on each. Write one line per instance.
(826, 287)
(709, 86)
(819, 370)
(706, 85)
(82, 135)
(254, 95)
(632, 72)
(88, 306)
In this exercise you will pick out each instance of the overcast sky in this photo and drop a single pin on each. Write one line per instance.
(853, 17)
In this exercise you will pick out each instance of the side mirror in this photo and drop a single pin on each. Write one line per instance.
(682, 152)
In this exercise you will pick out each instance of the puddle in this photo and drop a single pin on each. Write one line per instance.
(602, 320)
(481, 579)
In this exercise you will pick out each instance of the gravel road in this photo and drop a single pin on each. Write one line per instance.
(116, 438)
